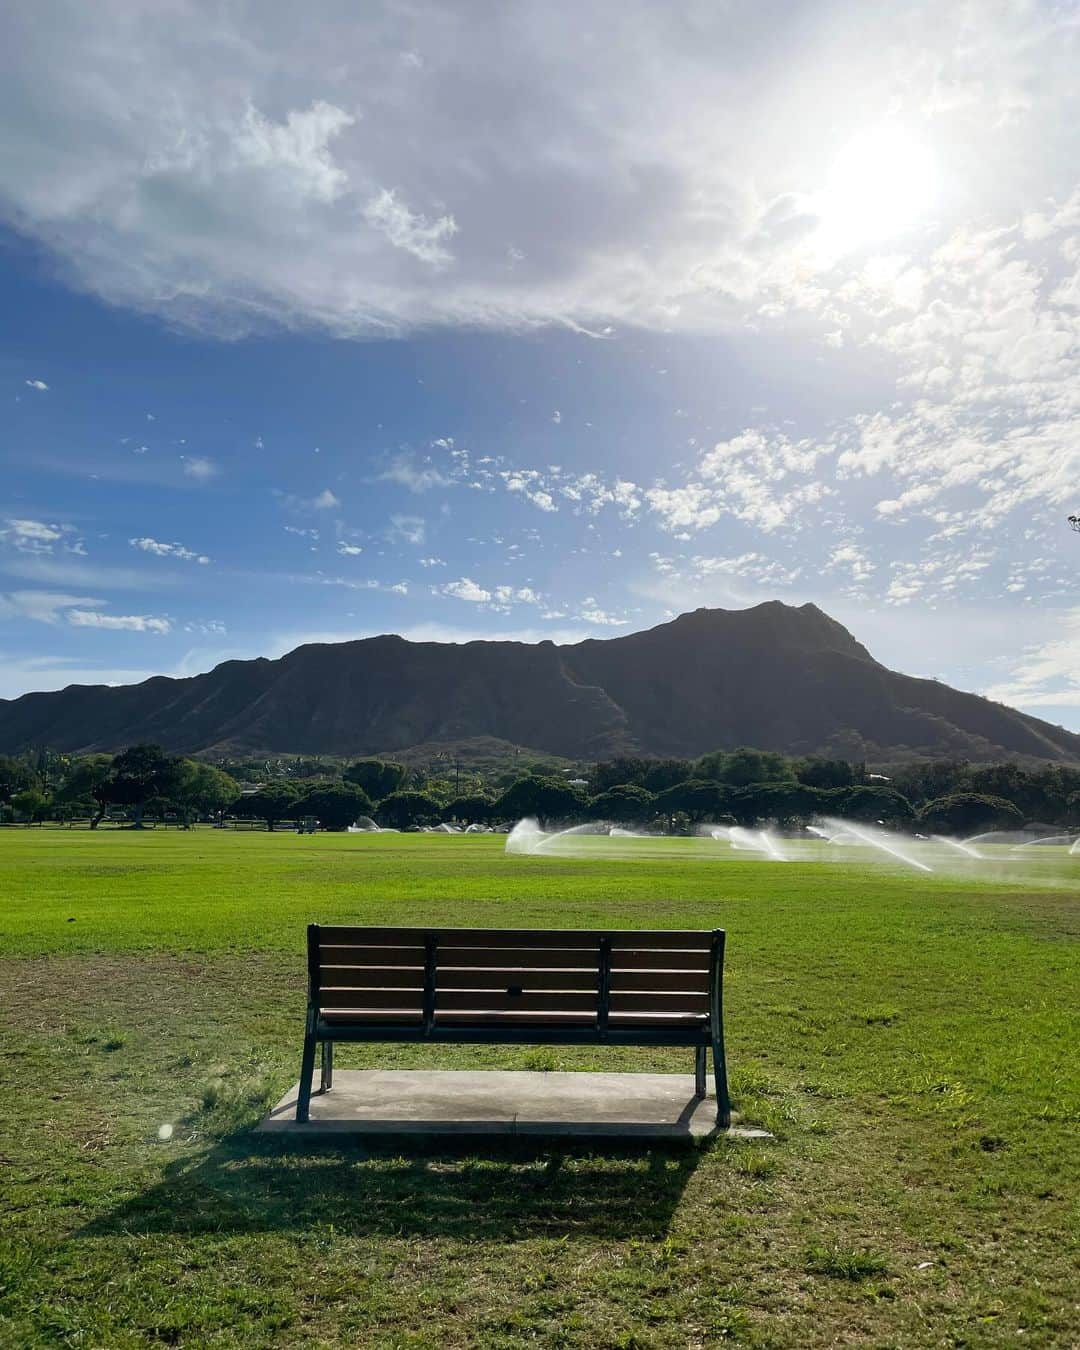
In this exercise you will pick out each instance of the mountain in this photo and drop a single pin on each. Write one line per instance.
(774, 676)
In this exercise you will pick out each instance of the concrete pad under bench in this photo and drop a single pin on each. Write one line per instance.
(430, 1103)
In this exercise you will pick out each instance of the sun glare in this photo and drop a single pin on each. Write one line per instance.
(879, 184)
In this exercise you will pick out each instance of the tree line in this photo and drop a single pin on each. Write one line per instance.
(742, 786)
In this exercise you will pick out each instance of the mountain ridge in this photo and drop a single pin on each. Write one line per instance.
(775, 676)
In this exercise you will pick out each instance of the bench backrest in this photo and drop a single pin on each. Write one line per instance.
(519, 977)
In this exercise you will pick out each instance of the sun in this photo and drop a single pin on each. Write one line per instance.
(879, 184)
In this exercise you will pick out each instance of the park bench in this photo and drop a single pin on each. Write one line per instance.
(515, 986)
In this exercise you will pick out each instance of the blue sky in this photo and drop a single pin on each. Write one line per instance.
(553, 324)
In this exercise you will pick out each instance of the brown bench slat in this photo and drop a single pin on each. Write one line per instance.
(371, 977)
(529, 977)
(625, 1021)
(363, 935)
(660, 940)
(695, 981)
(383, 1016)
(659, 1002)
(665, 960)
(371, 998)
(540, 1020)
(371, 956)
(529, 1000)
(524, 938)
(550, 958)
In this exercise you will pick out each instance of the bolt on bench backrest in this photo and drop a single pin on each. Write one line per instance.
(512, 977)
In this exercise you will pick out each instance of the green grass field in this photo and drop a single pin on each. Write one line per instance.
(911, 1040)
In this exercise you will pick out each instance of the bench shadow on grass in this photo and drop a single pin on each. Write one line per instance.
(496, 1190)
(499, 1190)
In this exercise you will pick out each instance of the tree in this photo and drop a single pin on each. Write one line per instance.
(695, 799)
(336, 806)
(816, 771)
(473, 807)
(926, 779)
(782, 802)
(873, 804)
(740, 768)
(545, 798)
(136, 775)
(32, 803)
(276, 801)
(377, 777)
(84, 774)
(625, 803)
(15, 776)
(204, 789)
(402, 809)
(968, 813)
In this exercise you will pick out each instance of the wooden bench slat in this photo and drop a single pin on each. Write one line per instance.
(371, 977)
(371, 956)
(528, 977)
(625, 1020)
(525, 939)
(658, 1002)
(550, 958)
(371, 998)
(695, 981)
(498, 1017)
(529, 1000)
(665, 960)
(660, 940)
(388, 1016)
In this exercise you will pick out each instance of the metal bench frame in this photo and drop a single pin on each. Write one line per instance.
(705, 1031)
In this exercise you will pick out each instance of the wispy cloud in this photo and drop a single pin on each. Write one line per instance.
(200, 468)
(160, 550)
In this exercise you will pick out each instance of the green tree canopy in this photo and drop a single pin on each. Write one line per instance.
(273, 802)
(782, 802)
(202, 788)
(336, 806)
(31, 802)
(377, 777)
(818, 772)
(625, 803)
(402, 809)
(15, 774)
(968, 813)
(696, 799)
(137, 774)
(873, 804)
(84, 774)
(473, 807)
(739, 768)
(545, 798)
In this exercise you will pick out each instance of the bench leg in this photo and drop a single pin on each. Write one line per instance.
(307, 1069)
(723, 1101)
(699, 1071)
(326, 1078)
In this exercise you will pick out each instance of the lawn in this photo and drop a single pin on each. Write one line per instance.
(909, 1039)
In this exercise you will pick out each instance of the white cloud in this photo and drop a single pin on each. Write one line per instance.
(39, 385)
(199, 467)
(160, 550)
(408, 231)
(325, 501)
(259, 171)
(416, 477)
(130, 623)
(40, 606)
(408, 529)
(32, 536)
(463, 589)
(349, 550)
